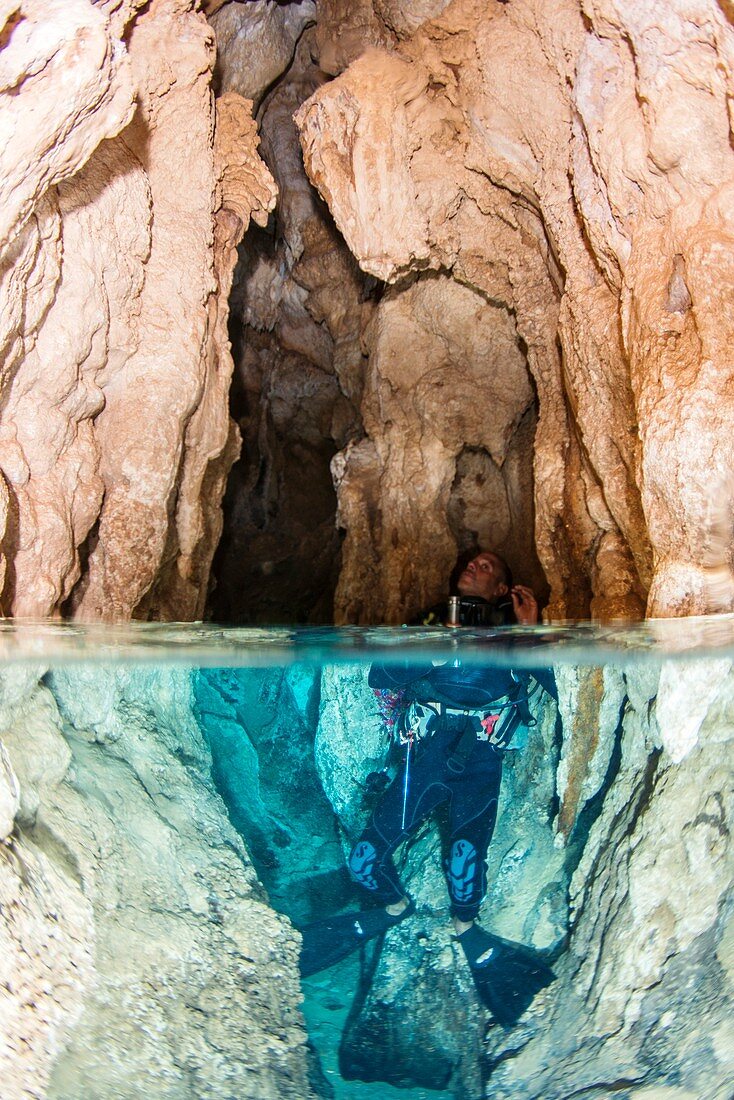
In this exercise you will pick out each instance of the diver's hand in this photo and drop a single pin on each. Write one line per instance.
(524, 605)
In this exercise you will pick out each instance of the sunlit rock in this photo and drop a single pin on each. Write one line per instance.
(114, 287)
(446, 376)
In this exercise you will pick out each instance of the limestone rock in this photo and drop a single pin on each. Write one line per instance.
(113, 285)
(440, 355)
(400, 1031)
(256, 42)
(404, 18)
(139, 952)
(350, 743)
(501, 163)
(246, 190)
(590, 704)
(51, 45)
(260, 725)
(644, 975)
(344, 29)
(9, 794)
(140, 476)
(297, 316)
(371, 197)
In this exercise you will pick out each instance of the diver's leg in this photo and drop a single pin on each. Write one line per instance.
(506, 975)
(473, 814)
(416, 790)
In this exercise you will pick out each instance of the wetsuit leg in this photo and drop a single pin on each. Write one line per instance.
(472, 817)
(370, 862)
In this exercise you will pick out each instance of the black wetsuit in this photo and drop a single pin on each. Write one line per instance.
(473, 611)
(437, 773)
(449, 765)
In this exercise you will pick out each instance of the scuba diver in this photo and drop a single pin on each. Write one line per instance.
(487, 597)
(452, 722)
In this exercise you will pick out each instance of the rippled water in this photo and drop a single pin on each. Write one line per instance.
(206, 644)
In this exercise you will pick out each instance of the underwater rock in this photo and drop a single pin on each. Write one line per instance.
(416, 1021)
(350, 743)
(644, 992)
(9, 794)
(611, 850)
(590, 704)
(138, 952)
(260, 727)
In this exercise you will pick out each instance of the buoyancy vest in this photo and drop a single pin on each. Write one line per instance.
(470, 687)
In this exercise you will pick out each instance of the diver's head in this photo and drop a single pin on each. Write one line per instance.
(487, 576)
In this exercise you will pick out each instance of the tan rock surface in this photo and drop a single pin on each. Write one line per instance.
(115, 440)
(541, 155)
(545, 152)
(298, 310)
(211, 440)
(256, 42)
(438, 352)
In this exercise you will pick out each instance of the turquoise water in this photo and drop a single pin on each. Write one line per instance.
(169, 780)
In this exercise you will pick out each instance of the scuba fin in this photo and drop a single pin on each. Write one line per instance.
(327, 941)
(509, 977)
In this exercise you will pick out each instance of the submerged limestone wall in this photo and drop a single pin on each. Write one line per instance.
(138, 954)
(140, 943)
(645, 989)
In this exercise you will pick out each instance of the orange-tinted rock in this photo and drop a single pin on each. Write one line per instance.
(115, 438)
(440, 354)
(548, 157)
(256, 41)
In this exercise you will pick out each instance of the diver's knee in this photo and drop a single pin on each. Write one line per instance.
(361, 864)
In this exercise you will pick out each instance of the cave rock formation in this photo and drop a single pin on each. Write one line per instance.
(561, 161)
(125, 190)
(495, 311)
(138, 954)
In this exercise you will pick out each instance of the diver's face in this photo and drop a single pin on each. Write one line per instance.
(483, 577)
